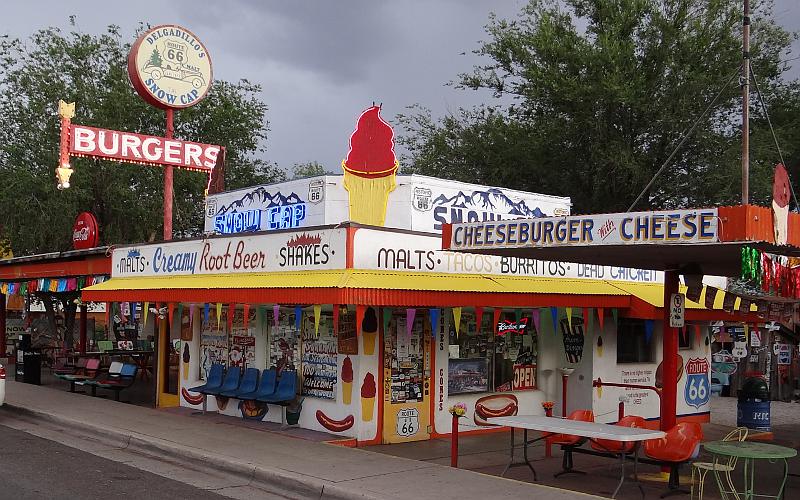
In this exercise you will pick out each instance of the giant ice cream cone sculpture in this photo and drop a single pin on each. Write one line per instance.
(370, 168)
(368, 391)
(780, 204)
(347, 380)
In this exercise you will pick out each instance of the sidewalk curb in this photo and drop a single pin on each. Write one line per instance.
(272, 480)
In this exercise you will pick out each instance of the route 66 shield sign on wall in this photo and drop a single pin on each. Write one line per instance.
(697, 390)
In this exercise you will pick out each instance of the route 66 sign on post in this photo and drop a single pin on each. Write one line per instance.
(407, 422)
(697, 388)
(677, 303)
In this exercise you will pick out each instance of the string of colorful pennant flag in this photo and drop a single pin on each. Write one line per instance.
(53, 285)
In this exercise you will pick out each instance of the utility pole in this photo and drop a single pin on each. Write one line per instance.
(746, 103)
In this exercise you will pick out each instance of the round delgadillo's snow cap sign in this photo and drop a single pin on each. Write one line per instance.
(170, 67)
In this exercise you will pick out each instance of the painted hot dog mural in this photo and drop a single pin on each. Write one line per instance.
(334, 425)
(495, 405)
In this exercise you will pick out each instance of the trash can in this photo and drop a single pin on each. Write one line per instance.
(753, 408)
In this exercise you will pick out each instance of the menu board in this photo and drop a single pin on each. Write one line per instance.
(347, 340)
(319, 365)
(573, 339)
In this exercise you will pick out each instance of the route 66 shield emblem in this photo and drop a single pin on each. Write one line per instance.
(697, 389)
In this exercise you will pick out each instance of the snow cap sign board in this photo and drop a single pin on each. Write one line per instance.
(170, 67)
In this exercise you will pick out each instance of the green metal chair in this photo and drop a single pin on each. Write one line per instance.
(703, 468)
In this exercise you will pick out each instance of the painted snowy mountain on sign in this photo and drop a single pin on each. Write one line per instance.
(259, 199)
(491, 200)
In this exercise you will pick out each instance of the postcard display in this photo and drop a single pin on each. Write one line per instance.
(243, 344)
(213, 346)
(319, 360)
(405, 356)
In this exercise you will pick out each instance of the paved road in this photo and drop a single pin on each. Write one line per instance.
(32, 468)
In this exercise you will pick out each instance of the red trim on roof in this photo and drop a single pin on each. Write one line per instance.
(57, 268)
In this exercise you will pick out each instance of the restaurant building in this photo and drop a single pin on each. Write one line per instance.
(385, 330)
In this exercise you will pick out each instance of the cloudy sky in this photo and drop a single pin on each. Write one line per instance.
(321, 62)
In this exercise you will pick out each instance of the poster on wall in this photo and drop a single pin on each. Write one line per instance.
(467, 375)
(242, 352)
(284, 352)
(320, 368)
(213, 347)
(573, 339)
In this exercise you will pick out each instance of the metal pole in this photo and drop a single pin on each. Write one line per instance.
(669, 349)
(2, 326)
(83, 327)
(746, 103)
(168, 183)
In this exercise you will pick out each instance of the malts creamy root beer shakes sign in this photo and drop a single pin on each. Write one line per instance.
(635, 228)
(170, 67)
(285, 251)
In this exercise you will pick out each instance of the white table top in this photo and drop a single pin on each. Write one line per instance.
(577, 428)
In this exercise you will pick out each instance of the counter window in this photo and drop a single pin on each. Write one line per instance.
(632, 344)
(479, 361)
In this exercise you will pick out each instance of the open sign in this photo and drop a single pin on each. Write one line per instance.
(524, 377)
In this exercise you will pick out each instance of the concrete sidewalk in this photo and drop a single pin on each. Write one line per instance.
(293, 467)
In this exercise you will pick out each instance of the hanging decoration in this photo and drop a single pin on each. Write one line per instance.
(601, 318)
(728, 302)
(229, 317)
(180, 310)
(587, 317)
(276, 314)
(554, 317)
(434, 321)
(711, 296)
(191, 313)
(649, 325)
(387, 317)
(317, 314)
(145, 312)
(496, 313)
(335, 320)
(751, 265)
(535, 315)
(360, 311)
(206, 310)
(411, 313)
(219, 314)
(615, 315)
(457, 319)
(569, 317)
(298, 317)
(261, 313)
(170, 312)
(478, 319)
(246, 316)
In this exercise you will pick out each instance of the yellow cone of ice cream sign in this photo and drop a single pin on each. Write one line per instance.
(170, 67)
(370, 168)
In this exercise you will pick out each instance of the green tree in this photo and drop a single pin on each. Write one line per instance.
(127, 199)
(310, 169)
(155, 59)
(592, 96)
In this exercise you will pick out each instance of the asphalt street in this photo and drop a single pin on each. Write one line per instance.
(32, 468)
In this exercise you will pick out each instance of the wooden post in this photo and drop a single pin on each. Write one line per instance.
(669, 395)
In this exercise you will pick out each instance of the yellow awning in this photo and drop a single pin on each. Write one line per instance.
(653, 294)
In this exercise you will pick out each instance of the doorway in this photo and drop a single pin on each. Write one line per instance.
(407, 361)
(167, 380)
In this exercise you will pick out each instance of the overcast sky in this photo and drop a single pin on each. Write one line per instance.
(322, 62)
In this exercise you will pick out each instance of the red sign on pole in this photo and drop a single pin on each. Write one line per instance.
(84, 231)
(144, 149)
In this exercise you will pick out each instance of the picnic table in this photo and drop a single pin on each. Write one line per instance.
(749, 452)
(590, 430)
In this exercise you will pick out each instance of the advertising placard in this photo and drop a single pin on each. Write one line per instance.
(286, 251)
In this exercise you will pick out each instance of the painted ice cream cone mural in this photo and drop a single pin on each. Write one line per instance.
(347, 381)
(370, 168)
(368, 392)
(186, 359)
(599, 388)
(369, 329)
(780, 204)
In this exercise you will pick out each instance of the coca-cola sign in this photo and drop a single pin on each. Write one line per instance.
(84, 231)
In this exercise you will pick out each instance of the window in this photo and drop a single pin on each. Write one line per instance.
(632, 342)
(686, 337)
(481, 361)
